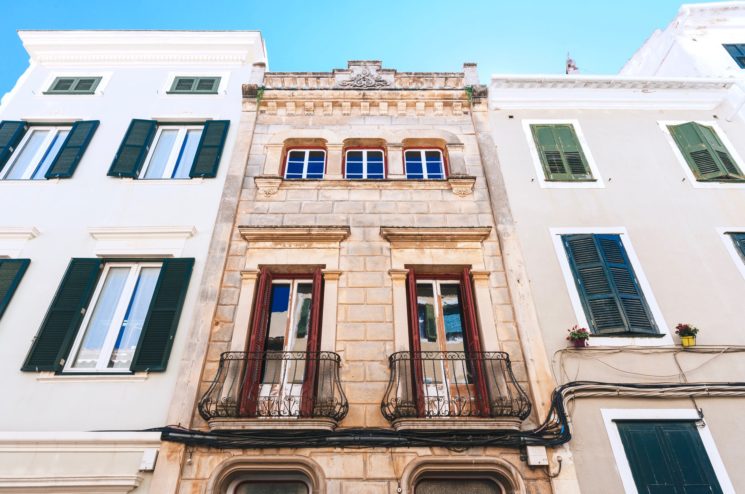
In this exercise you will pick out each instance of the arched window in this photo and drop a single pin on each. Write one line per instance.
(269, 483)
(460, 482)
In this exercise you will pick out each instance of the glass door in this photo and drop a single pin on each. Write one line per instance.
(446, 375)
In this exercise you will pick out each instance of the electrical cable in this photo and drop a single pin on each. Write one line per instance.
(553, 431)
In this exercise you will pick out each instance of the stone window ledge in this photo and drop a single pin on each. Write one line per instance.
(272, 423)
(461, 185)
(459, 423)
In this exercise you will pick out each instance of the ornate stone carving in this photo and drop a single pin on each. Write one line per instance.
(365, 79)
(267, 185)
(462, 185)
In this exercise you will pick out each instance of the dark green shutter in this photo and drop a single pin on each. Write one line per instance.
(11, 272)
(209, 152)
(54, 339)
(11, 133)
(739, 241)
(610, 292)
(667, 457)
(704, 152)
(737, 52)
(162, 318)
(561, 153)
(134, 148)
(72, 149)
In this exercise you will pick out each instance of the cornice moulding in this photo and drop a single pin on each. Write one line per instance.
(133, 47)
(405, 235)
(607, 82)
(94, 484)
(295, 234)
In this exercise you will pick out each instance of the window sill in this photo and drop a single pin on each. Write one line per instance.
(461, 185)
(272, 423)
(460, 423)
(620, 341)
(161, 181)
(92, 377)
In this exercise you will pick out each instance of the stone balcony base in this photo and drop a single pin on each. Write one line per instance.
(461, 423)
(272, 423)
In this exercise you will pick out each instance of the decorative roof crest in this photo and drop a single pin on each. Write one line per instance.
(362, 75)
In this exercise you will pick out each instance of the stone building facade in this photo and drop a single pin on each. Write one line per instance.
(356, 243)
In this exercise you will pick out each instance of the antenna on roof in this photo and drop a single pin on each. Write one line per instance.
(571, 65)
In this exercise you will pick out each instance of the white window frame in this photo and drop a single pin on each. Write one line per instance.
(105, 78)
(108, 345)
(425, 174)
(168, 83)
(665, 337)
(307, 152)
(175, 150)
(689, 175)
(364, 162)
(610, 415)
(538, 165)
(36, 160)
(730, 246)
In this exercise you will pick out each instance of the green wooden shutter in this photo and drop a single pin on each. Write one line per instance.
(134, 148)
(162, 318)
(11, 133)
(610, 292)
(704, 152)
(667, 457)
(53, 341)
(739, 241)
(210, 148)
(11, 272)
(72, 149)
(561, 153)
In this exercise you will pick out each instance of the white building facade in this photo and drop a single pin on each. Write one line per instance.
(114, 153)
(625, 197)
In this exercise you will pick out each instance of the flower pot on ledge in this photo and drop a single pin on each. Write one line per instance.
(579, 343)
(688, 341)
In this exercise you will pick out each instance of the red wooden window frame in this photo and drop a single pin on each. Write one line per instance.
(442, 150)
(364, 148)
(286, 154)
(257, 339)
(473, 336)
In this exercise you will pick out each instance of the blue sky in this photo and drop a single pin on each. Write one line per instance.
(528, 36)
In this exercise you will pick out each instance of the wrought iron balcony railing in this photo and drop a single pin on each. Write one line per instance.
(453, 384)
(276, 384)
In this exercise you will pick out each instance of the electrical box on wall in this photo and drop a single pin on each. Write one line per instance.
(537, 456)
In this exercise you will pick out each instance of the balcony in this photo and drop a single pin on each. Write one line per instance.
(293, 390)
(453, 389)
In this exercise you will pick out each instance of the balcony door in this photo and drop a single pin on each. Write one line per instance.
(445, 346)
(283, 347)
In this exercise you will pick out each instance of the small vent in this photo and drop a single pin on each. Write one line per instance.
(207, 84)
(576, 165)
(594, 281)
(606, 314)
(705, 162)
(554, 162)
(728, 164)
(184, 84)
(623, 281)
(85, 85)
(63, 85)
(636, 313)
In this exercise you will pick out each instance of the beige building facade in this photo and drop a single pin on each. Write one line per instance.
(364, 195)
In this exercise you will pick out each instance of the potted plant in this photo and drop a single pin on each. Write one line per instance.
(687, 333)
(578, 336)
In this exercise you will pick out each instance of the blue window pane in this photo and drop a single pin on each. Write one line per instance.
(375, 170)
(354, 169)
(414, 165)
(354, 156)
(434, 165)
(375, 167)
(294, 169)
(315, 170)
(316, 164)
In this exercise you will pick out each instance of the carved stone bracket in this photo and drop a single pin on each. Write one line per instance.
(462, 185)
(268, 185)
